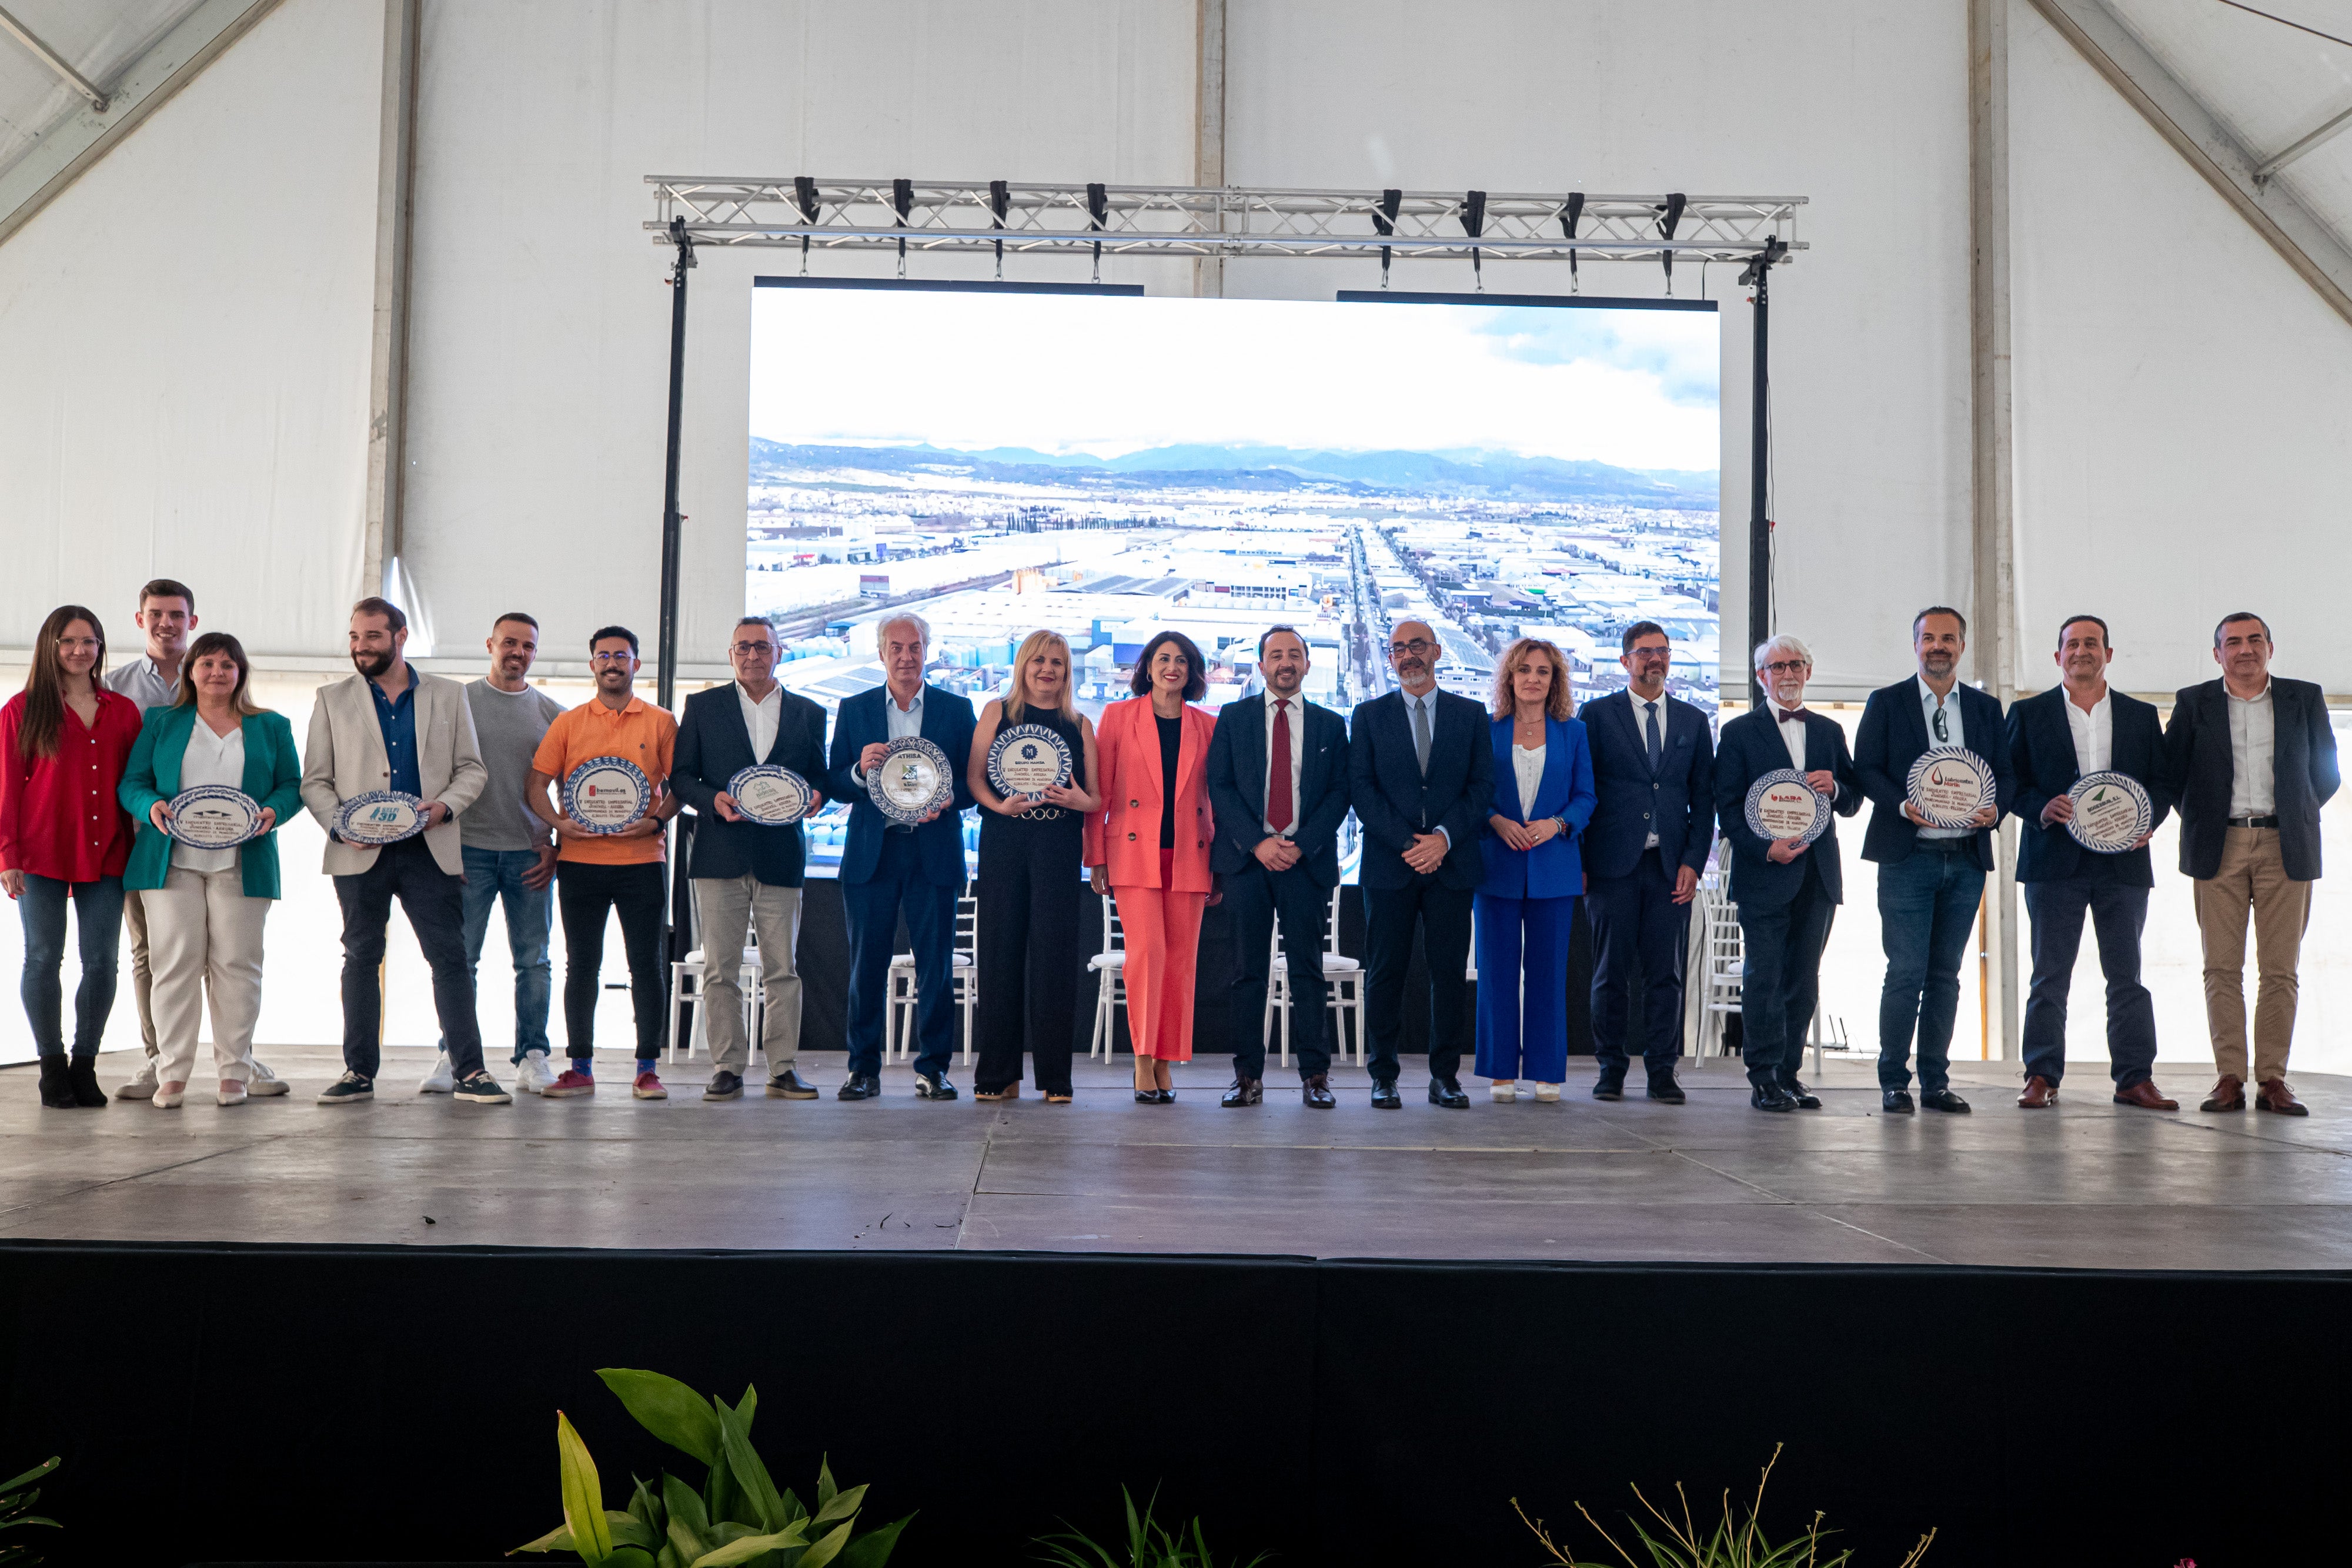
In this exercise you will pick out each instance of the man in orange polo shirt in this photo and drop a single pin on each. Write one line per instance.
(600, 874)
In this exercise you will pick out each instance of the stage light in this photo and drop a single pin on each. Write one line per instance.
(1000, 202)
(1670, 215)
(902, 198)
(804, 198)
(1098, 209)
(1385, 221)
(1473, 223)
(1570, 212)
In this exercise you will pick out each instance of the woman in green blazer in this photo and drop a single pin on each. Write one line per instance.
(206, 906)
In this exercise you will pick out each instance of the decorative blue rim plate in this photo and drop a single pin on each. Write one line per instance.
(1027, 744)
(1777, 778)
(230, 804)
(796, 790)
(941, 796)
(1935, 758)
(380, 817)
(2103, 798)
(627, 780)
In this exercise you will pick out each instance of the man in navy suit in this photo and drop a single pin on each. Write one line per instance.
(1930, 879)
(2082, 726)
(888, 867)
(1787, 891)
(1278, 790)
(1421, 772)
(747, 875)
(1653, 766)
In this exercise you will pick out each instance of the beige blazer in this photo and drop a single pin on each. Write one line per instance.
(346, 757)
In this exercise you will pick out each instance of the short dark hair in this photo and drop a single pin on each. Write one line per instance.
(1272, 630)
(2105, 638)
(167, 588)
(1920, 619)
(602, 633)
(2239, 615)
(528, 620)
(1636, 632)
(392, 613)
(1196, 677)
(743, 620)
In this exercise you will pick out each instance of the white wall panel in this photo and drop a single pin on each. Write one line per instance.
(184, 350)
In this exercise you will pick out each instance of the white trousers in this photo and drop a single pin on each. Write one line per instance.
(204, 934)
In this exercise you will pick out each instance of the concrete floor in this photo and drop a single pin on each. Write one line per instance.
(2091, 1185)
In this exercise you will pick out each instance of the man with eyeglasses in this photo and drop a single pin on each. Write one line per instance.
(1930, 879)
(599, 876)
(1421, 765)
(746, 874)
(1787, 890)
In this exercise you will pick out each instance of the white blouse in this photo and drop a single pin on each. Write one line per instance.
(1527, 762)
(210, 759)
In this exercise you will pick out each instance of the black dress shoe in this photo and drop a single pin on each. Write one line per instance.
(859, 1086)
(1245, 1091)
(1608, 1088)
(1663, 1087)
(1317, 1091)
(930, 1088)
(1155, 1096)
(724, 1085)
(790, 1085)
(1943, 1099)
(1447, 1091)
(1385, 1096)
(1896, 1100)
(1805, 1098)
(1771, 1097)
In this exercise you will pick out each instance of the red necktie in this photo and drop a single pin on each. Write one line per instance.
(1277, 775)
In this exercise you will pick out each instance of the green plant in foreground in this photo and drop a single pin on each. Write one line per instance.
(737, 1517)
(16, 1511)
(1734, 1543)
(1149, 1544)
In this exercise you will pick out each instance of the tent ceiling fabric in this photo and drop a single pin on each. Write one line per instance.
(97, 38)
(2269, 83)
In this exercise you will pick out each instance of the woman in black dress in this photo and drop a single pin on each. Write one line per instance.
(1031, 874)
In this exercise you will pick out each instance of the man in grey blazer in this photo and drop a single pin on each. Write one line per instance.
(392, 727)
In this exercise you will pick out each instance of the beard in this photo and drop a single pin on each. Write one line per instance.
(370, 664)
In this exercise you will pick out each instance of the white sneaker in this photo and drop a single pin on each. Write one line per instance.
(440, 1081)
(263, 1081)
(142, 1083)
(1547, 1090)
(1506, 1092)
(531, 1074)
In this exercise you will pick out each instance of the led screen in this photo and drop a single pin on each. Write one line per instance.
(1106, 464)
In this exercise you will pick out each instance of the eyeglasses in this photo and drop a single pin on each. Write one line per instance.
(1786, 667)
(1416, 647)
(619, 658)
(741, 648)
(79, 644)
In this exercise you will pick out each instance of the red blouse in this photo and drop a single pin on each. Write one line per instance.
(59, 816)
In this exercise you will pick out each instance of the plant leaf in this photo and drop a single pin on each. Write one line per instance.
(721, 1498)
(35, 1473)
(685, 1510)
(845, 1505)
(749, 1472)
(629, 1557)
(556, 1540)
(667, 1408)
(824, 1486)
(747, 1406)
(745, 1547)
(646, 1508)
(583, 1494)
(873, 1549)
(825, 1549)
(630, 1530)
(792, 1509)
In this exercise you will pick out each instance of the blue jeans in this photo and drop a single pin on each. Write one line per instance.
(493, 874)
(98, 923)
(1926, 910)
(2118, 913)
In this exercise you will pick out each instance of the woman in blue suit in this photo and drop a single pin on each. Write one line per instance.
(1535, 869)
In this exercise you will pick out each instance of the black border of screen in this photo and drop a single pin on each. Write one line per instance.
(936, 286)
(1557, 301)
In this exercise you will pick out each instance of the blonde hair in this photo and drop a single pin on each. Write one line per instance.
(1560, 703)
(1017, 697)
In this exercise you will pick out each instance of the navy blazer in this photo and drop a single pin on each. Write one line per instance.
(2203, 763)
(1237, 755)
(713, 746)
(2041, 751)
(1677, 802)
(1555, 868)
(948, 724)
(1394, 802)
(1894, 733)
(1749, 748)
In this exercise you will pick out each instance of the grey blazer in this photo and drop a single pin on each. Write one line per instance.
(345, 756)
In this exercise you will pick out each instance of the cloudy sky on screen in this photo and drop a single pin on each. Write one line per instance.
(1104, 376)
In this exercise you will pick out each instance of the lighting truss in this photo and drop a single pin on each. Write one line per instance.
(924, 215)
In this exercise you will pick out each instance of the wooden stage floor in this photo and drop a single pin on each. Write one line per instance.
(2091, 1185)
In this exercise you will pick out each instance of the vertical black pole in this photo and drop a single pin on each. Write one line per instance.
(1759, 441)
(666, 643)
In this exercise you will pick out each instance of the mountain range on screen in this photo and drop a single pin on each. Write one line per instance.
(1500, 475)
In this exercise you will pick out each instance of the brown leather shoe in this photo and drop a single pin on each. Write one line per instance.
(2229, 1094)
(2277, 1097)
(2040, 1093)
(2144, 1095)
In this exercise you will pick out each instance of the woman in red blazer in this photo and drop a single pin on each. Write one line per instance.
(1149, 846)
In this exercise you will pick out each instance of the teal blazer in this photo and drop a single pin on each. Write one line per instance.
(273, 776)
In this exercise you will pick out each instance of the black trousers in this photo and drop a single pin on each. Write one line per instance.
(587, 893)
(435, 902)
(1253, 895)
(1443, 915)
(1781, 981)
(2118, 913)
(1030, 905)
(1637, 924)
